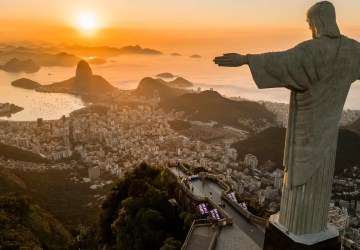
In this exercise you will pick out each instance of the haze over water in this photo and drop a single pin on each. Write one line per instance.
(125, 72)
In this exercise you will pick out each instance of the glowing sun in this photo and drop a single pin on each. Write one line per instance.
(87, 21)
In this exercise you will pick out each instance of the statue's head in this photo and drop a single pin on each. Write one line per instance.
(322, 20)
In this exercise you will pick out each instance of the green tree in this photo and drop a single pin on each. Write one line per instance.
(171, 244)
(137, 213)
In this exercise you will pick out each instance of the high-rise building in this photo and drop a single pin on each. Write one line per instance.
(251, 160)
(232, 153)
(39, 122)
(278, 180)
(156, 99)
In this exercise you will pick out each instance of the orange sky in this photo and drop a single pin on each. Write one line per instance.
(201, 25)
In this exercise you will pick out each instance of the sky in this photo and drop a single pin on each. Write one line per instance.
(254, 25)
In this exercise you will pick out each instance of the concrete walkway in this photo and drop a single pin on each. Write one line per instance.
(200, 238)
(242, 234)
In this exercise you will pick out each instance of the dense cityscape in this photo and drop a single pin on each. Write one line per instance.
(114, 139)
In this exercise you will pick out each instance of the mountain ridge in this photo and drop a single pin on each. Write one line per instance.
(210, 105)
(148, 85)
(269, 145)
(15, 65)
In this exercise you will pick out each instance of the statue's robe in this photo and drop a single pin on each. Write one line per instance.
(319, 73)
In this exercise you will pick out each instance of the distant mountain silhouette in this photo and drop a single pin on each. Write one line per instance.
(26, 83)
(60, 59)
(354, 127)
(40, 56)
(138, 50)
(95, 60)
(269, 145)
(15, 65)
(210, 105)
(175, 54)
(195, 56)
(165, 75)
(180, 82)
(148, 85)
(106, 51)
(84, 82)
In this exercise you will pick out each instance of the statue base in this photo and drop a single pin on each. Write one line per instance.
(277, 237)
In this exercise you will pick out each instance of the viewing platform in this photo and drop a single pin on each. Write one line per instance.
(235, 230)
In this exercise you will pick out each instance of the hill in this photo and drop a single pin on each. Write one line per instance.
(25, 225)
(84, 82)
(165, 75)
(15, 153)
(148, 85)
(138, 215)
(347, 153)
(25, 83)
(266, 145)
(40, 56)
(269, 145)
(92, 109)
(180, 82)
(354, 127)
(138, 50)
(15, 65)
(62, 59)
(7, 109)
(71, 202)
(210, 105)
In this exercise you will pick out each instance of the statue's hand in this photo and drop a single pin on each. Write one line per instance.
(231, 60)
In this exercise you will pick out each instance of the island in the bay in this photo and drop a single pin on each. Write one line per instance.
(8, 109)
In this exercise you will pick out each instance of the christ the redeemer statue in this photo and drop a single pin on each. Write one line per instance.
(319, 73)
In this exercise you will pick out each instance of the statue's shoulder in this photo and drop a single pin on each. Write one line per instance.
(350, 41)
(319, 43)
(308, 45)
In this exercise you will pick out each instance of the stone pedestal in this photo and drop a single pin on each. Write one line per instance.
(278, 238)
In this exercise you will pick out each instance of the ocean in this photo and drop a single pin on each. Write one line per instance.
(125, 72)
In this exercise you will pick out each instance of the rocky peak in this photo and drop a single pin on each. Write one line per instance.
(83, 69)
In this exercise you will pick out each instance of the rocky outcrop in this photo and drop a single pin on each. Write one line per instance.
(148, 85)
(25, 83)
(84, 82)
(83, 77)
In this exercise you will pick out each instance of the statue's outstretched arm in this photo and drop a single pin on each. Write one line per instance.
(231, 60)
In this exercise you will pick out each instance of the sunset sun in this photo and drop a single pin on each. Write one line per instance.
(87, 21)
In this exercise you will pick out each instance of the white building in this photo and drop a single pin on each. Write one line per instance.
(232, 153)
(278, 179)
(251, 160)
